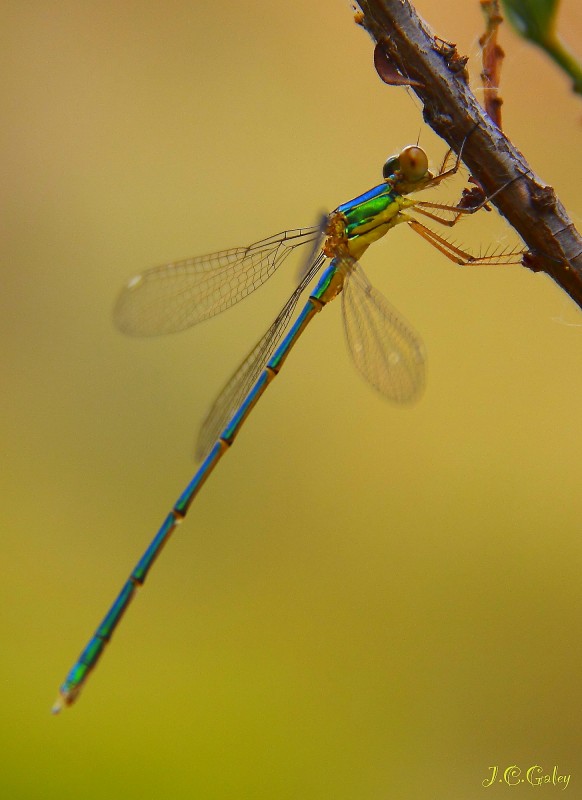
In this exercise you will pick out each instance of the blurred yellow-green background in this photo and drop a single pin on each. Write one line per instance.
(366, 602)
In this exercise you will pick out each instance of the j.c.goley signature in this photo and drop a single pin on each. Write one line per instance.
(534, 775)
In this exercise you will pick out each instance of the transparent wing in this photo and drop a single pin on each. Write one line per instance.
(242, 381)
(175, 296)
(387, 352)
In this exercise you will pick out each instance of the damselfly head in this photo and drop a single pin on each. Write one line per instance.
(408, 171)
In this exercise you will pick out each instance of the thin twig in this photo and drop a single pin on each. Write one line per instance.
(451, 109)
(492, 55)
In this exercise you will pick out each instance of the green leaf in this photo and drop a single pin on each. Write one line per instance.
(536, 20)
(533, 19)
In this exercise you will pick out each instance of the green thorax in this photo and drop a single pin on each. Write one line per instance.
(371, 215)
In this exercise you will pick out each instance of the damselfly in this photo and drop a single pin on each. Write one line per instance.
(384, 348)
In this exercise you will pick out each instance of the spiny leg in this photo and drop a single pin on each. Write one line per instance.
(463, 257)
(458, 211)
(422, 206)
(445, 171)
(472, 200)
(462, 208)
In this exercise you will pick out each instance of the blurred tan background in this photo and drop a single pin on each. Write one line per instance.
(365, 602)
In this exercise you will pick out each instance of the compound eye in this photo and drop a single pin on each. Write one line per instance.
(413, 163)
(391, 166)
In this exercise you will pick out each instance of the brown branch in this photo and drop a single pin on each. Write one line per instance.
(451, 109)
(492, 55)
